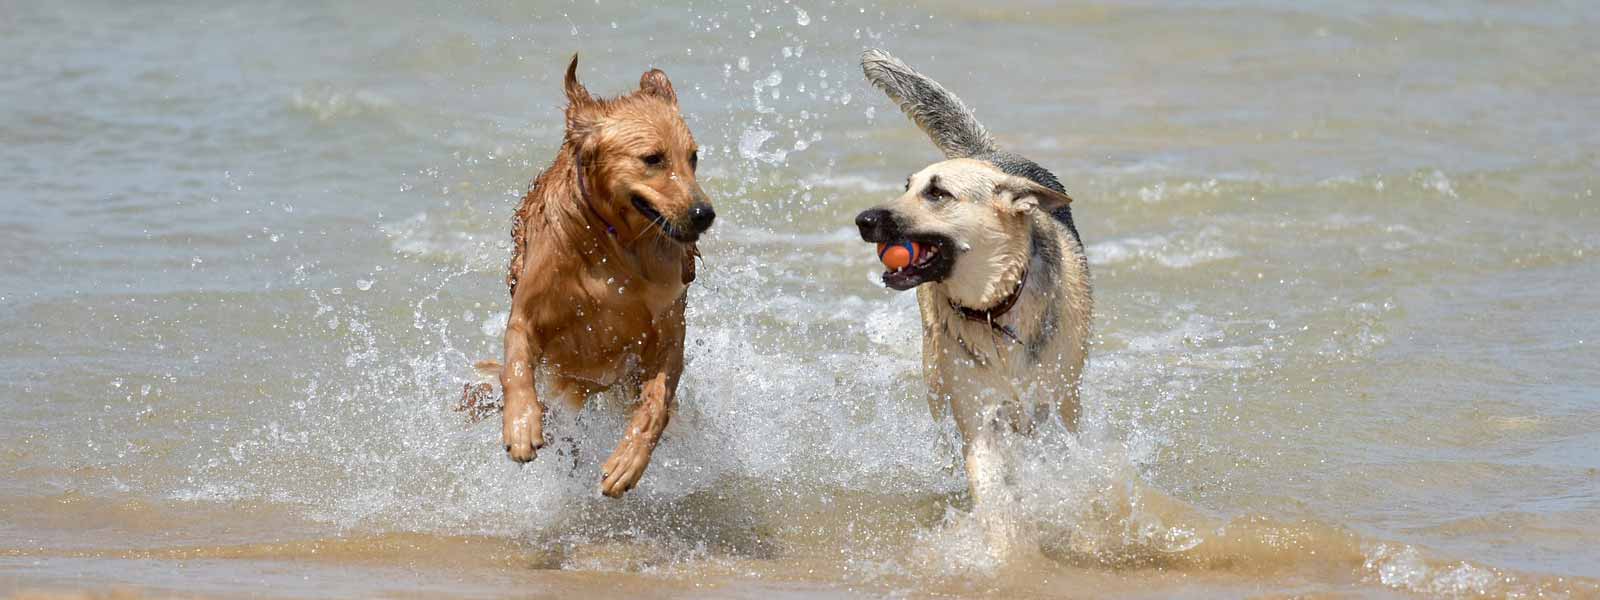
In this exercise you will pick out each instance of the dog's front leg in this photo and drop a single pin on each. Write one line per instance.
(994, 502)
(656, 395)
(522, 425)
(987, 468)
(626, 465)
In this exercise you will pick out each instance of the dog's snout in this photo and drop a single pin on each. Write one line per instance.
(701, 215)
(876, 225)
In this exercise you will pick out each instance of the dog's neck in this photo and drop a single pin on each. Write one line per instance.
(585, 197)
(1007, 270)
(991, 315)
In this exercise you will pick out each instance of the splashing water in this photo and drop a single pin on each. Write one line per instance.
(248, 282)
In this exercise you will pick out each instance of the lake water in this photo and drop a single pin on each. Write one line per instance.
(1344, 255)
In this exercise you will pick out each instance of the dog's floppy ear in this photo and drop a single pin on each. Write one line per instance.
(1020, 195)
(655, 83)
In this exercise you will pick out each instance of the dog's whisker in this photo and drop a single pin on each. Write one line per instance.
(656, 224)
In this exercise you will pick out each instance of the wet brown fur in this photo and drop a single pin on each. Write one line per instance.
(598, 289)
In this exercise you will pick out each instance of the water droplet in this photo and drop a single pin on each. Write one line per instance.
(801, 17)
(363, 284)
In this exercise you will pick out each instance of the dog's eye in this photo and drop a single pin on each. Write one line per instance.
(654, 159)
(934, 193)
(694, 160)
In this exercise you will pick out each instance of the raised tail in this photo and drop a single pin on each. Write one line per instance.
(940, 114)
(488, 369)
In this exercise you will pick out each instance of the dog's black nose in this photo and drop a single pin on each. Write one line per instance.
(876, 225)
(701, 215)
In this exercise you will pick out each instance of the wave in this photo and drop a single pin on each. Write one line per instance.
(326, 103)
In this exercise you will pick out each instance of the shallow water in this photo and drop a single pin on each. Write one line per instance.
(1343, 257)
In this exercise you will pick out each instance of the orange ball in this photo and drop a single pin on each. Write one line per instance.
(898, 256)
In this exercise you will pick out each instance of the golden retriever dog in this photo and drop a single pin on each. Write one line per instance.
(604, 254)
(1002, 284)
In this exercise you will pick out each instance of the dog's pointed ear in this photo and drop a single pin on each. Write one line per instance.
(655, 83)
(579, 102)
(1020, 195)
(577, 95)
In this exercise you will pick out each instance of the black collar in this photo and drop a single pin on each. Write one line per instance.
(991, 315)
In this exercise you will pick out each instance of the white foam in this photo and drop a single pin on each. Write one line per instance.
(1181, 253)
(1404, 567)
(424, 237)
(328, 104)
(1160, 191)
(854, 182)
(1437, 182)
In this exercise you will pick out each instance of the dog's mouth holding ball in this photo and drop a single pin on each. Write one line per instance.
(929, 258)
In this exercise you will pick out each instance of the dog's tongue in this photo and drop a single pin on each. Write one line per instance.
(898, 256)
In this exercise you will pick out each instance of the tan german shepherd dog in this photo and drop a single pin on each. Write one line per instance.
(1003, 286)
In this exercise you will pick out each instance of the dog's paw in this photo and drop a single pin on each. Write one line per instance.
(626, 465)
(523, 432)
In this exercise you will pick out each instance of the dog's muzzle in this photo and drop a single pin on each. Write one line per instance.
(878, 225)
(700, 217)
(695, 221)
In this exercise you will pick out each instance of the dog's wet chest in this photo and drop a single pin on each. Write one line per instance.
(605, 323)
(972, 344)
(640, 294)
